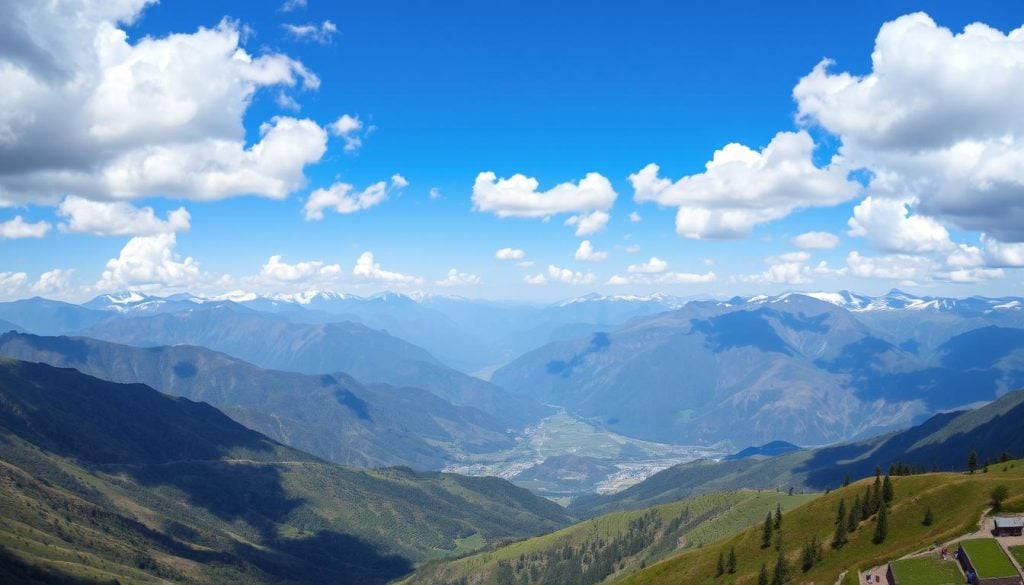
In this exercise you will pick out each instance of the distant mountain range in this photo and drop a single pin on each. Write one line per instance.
(102, 481)
(331, 415)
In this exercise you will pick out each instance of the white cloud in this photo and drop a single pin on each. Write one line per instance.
(528, 279)
(816, 241)
(617, 280)
(742, 188)
(525, 264)
(322, 33)
(348, 128)
(85, 110)
(589, 223)
(687, 278)
(517, 196)
(149, 262)
(286, 102)
(566, 276)
(118, 218)
(1002, 254)
(632, 248)
(937, 119)
(587, 253)
(342, 197)
(889, 226)
(18, 228)
(893, 266)
(11, 283)
(53, 282)
(278, 271)
(435, 193)
(800, 256)
(366, 268)
(509, 254)
(290, 5)
(456, 278)
(652, 266)
(635, 217)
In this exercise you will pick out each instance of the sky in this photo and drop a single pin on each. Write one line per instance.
(511, 150)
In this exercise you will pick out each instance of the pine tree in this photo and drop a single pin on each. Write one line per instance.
(778, 516)
(730, 565)
(781, 573)
(854, 519)
(972, 461)
(846, 480)
(720, 570)
(876, 495)
(766, 532)
(929, 519)
(839, 538)
(841, 514)
(887, 491)
(762, 577)
(881, 526)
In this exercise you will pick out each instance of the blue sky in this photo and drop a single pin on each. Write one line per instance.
(446, 90)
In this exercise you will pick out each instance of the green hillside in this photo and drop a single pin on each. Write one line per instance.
(614, 545)
(943, 442)
(102, 481)
(956, 499)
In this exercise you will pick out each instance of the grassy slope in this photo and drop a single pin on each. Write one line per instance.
(957, 501)
(712, 517)
(101, 481)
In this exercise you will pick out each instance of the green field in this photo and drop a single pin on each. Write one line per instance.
(957, 501)
(988, 558)
(1018, 553)
(927, 571)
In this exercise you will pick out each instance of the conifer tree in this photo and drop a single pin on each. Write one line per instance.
(881, 526)
(720, 570)
(778, 516)
(766, 532)
(762, 577)
(730, 565)
(854, 519)
(841, 513)
(846, 480)
(781, 573)
(839, 538)
(876, 495)
(929, 519)
(865, 504)
(887, 491)
(972, 461)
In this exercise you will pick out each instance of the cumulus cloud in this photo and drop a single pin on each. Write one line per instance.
(936, 120)
(322, 33)
(652, 266)
(587, 253)
(1002, 254)
(635, 217)
(118, 218)
(528, 279)
(18, 228)
(456, 278)
(350, 129)
(509, 254)
(816, 241)
(367, 268)
(53, 282)
(290, 5)
(435, 193)
(87, 111)
(11, 283)
(566, 276)
(903, 267)
(517, 196)
(589, 223)
(278, 271)
(890, 227)
(344, 199)
(742, 188)
(149, 262)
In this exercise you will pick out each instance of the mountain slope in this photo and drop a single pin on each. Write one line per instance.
(615, 545)
(331, 416)
(944, 441)
(791, 368)
(46, 317)
(366, 354)
(132, 484)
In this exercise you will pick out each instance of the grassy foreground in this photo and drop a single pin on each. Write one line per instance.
(957, 501)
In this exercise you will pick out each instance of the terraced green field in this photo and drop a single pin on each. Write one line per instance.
(988, 558)
(927, 571)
